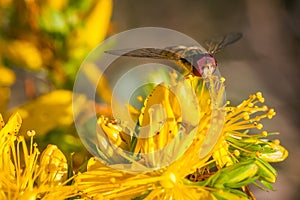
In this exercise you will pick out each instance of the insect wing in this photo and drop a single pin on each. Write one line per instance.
(216, 44)
(182, 56)
(154, 53)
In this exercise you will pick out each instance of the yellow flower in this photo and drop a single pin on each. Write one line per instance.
(22, 174)
(182, 155)
(236, 133)
(210, 145)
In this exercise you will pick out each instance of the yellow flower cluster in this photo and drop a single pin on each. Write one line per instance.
(222, 157)
(242, 156)
(239, 120)
(24, 172)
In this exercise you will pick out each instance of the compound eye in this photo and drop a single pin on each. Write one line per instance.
(205, 61)
(206, 64)
(198, 71)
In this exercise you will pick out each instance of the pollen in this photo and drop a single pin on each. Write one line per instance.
(31, 133)
(264, 133)
(260, 97)
(236, 152)
(259, 126)
(271, 113)
(250, 105)
(276, 142)
(246, 116)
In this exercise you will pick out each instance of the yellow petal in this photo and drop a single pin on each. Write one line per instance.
(93, 31)
(160, 95)
(47, 112)
(13, 125)
(187, 108)
(157, 120)
(97, 23)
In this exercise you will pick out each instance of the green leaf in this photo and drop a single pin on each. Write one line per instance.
(267, 185)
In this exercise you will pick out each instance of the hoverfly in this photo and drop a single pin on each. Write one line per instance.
(194, 59)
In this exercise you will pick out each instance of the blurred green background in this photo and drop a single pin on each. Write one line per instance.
(266, 59)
